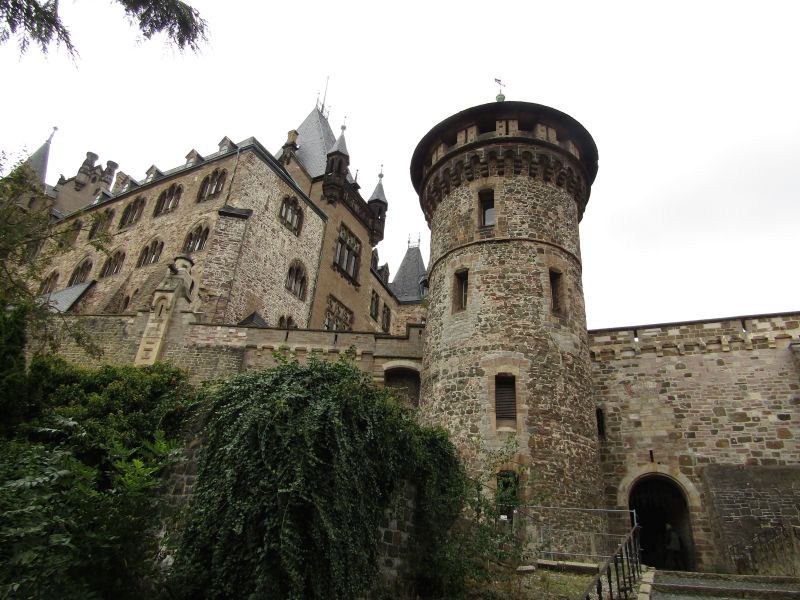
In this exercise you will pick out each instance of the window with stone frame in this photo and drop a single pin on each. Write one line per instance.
(557, 302)
(386, 318)
(101, 224)
(374, 303)
(460, 289)
(113, 264)
(195, 239)
(132, 213)
(49, 283)
(150, 253)
(168, 200)
(212, 185)
(291, 215)
(296, 280)
(70, 236)
(486, 201)
(348, 254)
(507, 495)
(505, 401)
(81, 273)
(337, 316)
(287, 322)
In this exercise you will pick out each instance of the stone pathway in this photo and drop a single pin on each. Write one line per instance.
(675, 585)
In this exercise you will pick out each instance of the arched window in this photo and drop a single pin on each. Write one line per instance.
(80, 273)
(168, 200)
(113, 264)
(196, 239)
(101, 223)
(150, 253)
(212, 185)
(70, 236)
(291, 215)
(287, 323)
(296, 280)
(49, 284)
(132, 212)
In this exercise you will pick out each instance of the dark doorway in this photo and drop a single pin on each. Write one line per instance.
(404, 385)
(659, 502)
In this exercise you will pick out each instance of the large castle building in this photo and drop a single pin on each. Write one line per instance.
(216, 263)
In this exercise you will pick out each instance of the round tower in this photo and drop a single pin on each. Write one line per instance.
(503, 187)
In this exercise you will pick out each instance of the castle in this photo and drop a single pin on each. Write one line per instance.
(693, 424)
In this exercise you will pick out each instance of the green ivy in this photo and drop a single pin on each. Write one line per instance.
(299, 465)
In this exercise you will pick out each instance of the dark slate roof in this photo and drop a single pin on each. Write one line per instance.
(253, 319)
(406, 283)
(340, 146)
(379, 194)
(315, 138)
(37, 162)
(62, 300)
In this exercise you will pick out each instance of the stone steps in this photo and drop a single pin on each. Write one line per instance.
(675, 585)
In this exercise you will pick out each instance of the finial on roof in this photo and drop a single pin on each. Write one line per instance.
(344, 123)
(380, 175)
(50, 139)
(500, 96)
(325, 96)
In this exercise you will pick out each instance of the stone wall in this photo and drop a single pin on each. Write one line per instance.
(677, 398)
(116, 336)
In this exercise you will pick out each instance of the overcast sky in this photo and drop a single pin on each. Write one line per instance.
(694, 106)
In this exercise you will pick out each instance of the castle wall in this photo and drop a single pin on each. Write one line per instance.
(696, 394)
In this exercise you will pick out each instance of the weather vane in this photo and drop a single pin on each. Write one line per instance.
(500, 97)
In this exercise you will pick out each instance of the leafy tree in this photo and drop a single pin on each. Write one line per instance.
(38, 22)
(80, 506)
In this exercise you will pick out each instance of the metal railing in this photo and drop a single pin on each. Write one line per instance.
(619, 574)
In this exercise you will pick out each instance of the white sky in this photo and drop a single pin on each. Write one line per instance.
(694, 106)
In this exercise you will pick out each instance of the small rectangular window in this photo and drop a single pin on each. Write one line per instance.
(505, 401)
(556, 293)
(486, 200)
(460, 288)
(601, 423)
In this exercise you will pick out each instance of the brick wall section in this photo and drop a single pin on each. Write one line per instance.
(696, 394)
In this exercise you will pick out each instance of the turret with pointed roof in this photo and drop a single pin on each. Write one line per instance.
(37, 162)
(411, 282)
(378, 204)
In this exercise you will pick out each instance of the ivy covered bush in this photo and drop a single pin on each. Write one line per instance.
(299, 464)
(81, 455)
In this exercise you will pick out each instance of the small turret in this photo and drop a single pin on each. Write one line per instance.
(378, 206)
(338, 161)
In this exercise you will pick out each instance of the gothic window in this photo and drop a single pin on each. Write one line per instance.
(287, 323)
(291, 215)
(80, 273)
(31, 250)
(296, 280)
(49, 284)
(168, 200)
(113, 264)
(150, 254)
(70, 236)
(348, 253)
(556, 294)
(373, 305)
(386, 318)
(337, 316)
(460, 288)
(505, 401)
(486, 201)
(132, 213)
(195, 240)
(101, 224)
(212, 185)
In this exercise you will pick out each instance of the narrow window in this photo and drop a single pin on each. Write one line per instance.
(373, 305)
(507, 497)
(486, 200)
(460, 288)
(386, 320)
(505, 401)
(601, 423)
(556, 293)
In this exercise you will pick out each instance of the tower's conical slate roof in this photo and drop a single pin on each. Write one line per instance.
(37, 162)
(379, 194)
(340, 145)
(406, 284)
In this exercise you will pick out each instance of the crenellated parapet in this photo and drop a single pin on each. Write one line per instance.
(696, 337)
(509, 139)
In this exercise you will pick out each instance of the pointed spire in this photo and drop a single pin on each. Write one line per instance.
(37, 162)
(340, 145)
(379, 194)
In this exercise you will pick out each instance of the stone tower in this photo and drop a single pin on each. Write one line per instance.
(503, 187)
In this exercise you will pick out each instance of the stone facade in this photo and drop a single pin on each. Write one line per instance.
(499, 348)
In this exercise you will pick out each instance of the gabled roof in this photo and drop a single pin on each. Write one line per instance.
(406, 284)
(314, 140)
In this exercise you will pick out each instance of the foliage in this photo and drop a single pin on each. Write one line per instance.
(38, 22)
(79, 477)
(299, 464)
(29, 242)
